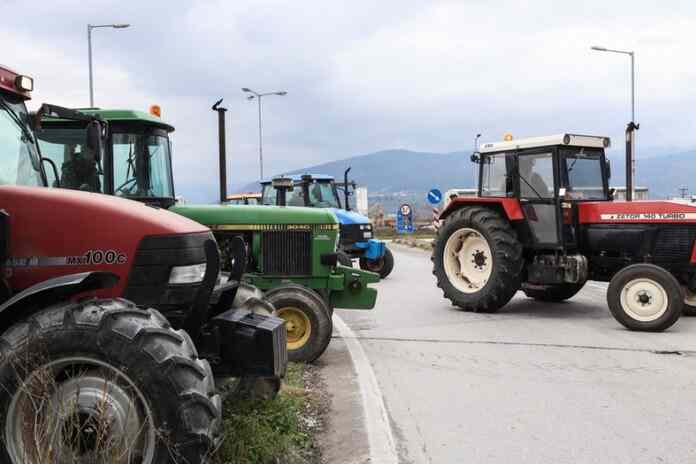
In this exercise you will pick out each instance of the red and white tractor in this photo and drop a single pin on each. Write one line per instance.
(544, 222)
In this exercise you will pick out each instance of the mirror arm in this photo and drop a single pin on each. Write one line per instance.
(55, 169)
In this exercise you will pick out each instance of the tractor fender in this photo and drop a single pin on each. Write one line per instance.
(509, 207)
(53, 291)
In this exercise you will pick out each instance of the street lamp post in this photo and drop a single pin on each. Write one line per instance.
(89, 53)
(258, 96)
(632, 126)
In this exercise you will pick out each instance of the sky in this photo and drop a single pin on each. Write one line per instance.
(363, 76)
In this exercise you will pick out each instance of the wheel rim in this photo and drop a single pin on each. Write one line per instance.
(644, 299)
(90, 411)
(468, 260)
(297, 325)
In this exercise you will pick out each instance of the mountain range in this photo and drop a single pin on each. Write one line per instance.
(399, 171)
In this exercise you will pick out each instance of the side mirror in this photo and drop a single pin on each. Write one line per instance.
(475, 158)
(608, 167)
(93, 139)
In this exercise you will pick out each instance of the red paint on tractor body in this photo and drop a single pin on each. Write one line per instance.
(635, 212)
(55, 232)
(511, 206)
(8, 80)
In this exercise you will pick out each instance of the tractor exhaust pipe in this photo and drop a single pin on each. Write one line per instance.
(345, 188)
(631, 129)
(223, 153)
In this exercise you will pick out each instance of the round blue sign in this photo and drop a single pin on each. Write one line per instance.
(434, 196)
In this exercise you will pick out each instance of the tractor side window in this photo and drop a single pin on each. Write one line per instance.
(536, 176)
(268, 195)
(584, 171)
(78, 168)
(496, 180)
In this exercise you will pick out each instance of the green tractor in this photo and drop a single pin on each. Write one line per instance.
(292, 252)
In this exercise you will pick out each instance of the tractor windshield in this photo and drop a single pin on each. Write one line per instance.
(142, 166)
(584, 174)
(322, 195)
(20, 163)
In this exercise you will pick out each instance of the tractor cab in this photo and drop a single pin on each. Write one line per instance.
(547, 177)
(322, 191)
(136, 162)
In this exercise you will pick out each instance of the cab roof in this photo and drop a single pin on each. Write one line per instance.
(8, 82)
(298, 177)
(576, 140)
(122, 115)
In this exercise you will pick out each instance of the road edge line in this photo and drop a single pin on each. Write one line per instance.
(379, 431)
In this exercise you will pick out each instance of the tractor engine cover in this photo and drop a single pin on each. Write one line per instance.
(552, 269)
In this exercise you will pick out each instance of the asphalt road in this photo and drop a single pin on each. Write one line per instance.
(534, 383)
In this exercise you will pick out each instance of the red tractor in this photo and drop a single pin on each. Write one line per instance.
(544, 222)
(86, 375)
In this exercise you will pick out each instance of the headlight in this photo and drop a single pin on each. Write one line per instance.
(187, 274)
(367, 234)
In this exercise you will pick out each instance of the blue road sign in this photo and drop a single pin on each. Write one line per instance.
(434, 196)
(404, 219)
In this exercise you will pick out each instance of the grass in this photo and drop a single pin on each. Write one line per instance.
(273, 431)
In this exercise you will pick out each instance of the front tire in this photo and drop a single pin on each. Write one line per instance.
(477, 260)
(645, 297)
(307, 321)
(104, 381)
(382, 266)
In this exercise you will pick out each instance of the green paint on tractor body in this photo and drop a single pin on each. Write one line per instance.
(285, 245)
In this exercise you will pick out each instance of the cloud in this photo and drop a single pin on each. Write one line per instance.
(363, 76)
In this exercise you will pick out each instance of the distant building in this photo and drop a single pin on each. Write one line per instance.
(639, 193)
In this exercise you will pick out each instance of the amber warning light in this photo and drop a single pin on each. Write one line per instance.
(155, 110)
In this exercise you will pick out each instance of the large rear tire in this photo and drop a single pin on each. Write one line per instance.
(554, 293)
(104, 381)
(307, 321)
(645, 297)
(477, 259)
(382, 266)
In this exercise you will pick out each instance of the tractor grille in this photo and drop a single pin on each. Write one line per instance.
(674, 244)
(287, 252)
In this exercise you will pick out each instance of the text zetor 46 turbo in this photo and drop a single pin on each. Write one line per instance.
(544, 222)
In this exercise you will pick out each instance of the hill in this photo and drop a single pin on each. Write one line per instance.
(405, 171)
(392, 171)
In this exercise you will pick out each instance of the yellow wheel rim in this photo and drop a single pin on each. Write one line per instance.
(297, 325)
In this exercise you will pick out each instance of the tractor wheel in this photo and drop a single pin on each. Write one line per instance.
(104, 381)
(554, 293)
(344, 259)
(307, 321)
(689, 303)
(477, 260)
(382, 266)
(645, 297)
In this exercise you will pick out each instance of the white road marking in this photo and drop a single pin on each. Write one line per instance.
(379, 432)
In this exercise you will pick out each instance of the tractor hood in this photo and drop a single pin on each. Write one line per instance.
(219, 215)
(349, 217)
(58, 232)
